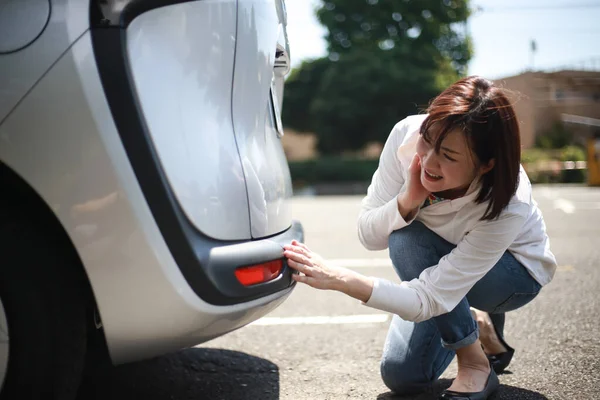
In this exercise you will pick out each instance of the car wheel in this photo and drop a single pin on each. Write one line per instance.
(42, 314)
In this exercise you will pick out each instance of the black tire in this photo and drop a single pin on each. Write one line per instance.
(44, 290)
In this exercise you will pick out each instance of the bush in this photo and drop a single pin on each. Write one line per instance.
(541, 166)
(573, 176)
(572, 153)
(545, 165)
(555, 138)
(332, 169)
(535, 155)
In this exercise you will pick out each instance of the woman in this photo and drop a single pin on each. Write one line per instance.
(453, 205)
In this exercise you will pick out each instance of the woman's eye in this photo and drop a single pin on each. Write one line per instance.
(449, 158)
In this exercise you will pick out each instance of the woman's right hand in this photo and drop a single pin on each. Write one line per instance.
(415, 194)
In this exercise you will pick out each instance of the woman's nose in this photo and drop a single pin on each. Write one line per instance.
(428, 160)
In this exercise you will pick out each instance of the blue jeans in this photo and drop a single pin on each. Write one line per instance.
(416, 354)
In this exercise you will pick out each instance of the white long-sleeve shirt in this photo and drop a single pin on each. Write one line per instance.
(519, 229)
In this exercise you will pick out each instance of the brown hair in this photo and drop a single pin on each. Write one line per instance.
(482, 111)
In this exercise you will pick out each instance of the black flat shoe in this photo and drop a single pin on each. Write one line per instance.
(491, 386)
(499, 362)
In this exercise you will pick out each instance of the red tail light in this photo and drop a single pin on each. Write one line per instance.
(259, 273)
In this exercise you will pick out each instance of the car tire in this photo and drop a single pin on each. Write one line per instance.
(98, 363)
(43, 292)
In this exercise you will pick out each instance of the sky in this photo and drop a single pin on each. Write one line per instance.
(566, 32)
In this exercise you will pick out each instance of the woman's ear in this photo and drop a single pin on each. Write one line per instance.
(485, 168)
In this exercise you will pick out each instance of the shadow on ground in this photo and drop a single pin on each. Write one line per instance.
(505, 392)
(197, 373)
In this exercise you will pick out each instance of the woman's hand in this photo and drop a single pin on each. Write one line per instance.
(415, 193)
(316, 273)
(320, 276)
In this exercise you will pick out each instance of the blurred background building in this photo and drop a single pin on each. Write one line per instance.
(544, 99)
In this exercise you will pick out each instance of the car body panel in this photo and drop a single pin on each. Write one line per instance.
(260, 29)
(21, 22)
(210, 273)
(146, 305)
(20, 70)
(181, 58)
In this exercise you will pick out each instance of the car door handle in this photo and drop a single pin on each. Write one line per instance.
(282, 61)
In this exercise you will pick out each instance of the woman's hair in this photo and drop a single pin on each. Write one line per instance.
(482, 111)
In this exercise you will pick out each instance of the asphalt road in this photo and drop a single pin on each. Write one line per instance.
(323, 345)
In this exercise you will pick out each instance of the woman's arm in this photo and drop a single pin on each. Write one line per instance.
(384, 209)
(377, 293)
(439, 288)
(443, 286)
(320, 276)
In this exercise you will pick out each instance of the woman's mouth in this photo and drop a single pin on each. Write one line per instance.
(432, 177)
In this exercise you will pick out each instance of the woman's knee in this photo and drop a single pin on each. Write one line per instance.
(414, 248)
(408, 234)
(402, 376)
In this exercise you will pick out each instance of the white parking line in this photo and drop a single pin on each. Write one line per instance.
(347, 319)
(564, 205)
(385, 263)
(323, 320)
(559, 203)
(546, 193)
(588, 205)
(361, 262)
(565, 268)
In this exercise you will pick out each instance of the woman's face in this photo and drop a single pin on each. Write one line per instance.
(452, 169)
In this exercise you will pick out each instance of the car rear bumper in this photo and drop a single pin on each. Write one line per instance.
(159, 284)
(221, 260)
(208, 264)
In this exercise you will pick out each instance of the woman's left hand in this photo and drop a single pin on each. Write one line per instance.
(321, 276)
(316, 273)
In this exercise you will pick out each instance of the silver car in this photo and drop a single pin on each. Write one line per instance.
(144, 188)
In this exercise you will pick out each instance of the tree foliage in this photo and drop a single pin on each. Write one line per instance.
(300, 88)
(386, 60)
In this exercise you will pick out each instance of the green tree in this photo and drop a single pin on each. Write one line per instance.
(431, 33)
(386, 60)
(300, 88)
(358, 99)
